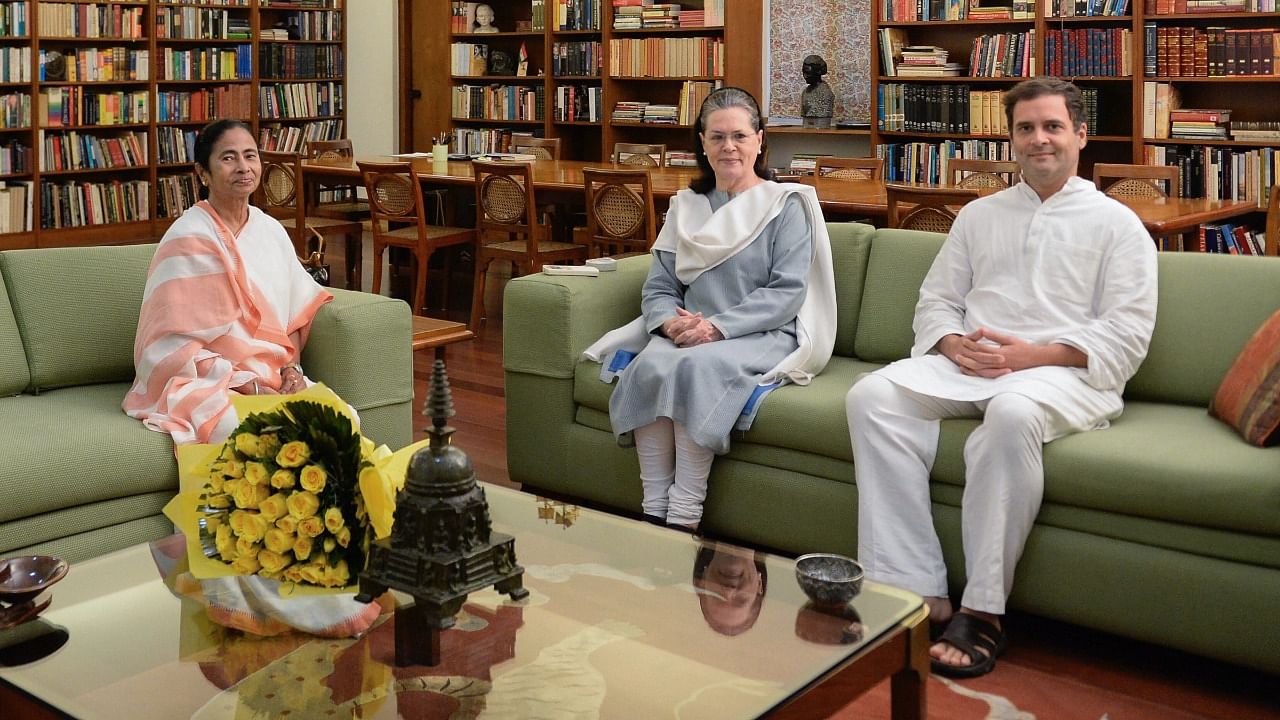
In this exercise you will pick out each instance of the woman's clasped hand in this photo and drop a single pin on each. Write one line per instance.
(687, 329)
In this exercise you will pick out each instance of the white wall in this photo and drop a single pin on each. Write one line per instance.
(373, 76)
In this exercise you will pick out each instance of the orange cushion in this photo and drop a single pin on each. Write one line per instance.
(1249, 397)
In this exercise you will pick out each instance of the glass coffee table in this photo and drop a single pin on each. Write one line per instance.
(624, 620)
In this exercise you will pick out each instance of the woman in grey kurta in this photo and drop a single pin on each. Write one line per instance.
(720, 306)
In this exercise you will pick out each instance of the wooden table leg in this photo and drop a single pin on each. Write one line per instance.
(907, 687)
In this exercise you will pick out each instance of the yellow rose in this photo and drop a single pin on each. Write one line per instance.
(218, 501)
(256, 473)
(247, 443)
(293, 573)
(250, 496)
(283, 479)
(228, 451)
(330, 544)
(333, 521)
(268, 444)
(338, 575)
(230, 486)
(343, 536)
(302, 547)
(236, 521)
(312, 478)
(303, 504)
(313, 573)
(255, 527)
(288, 523)
(215, 482)
(273, 507)
(311, 527)
(273, 562)
(246, 564)
(233, 468)
(245, 546)
(278, 541)
(225, 542)
(294, 454)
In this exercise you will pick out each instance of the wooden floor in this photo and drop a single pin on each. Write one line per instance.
(1098, 663)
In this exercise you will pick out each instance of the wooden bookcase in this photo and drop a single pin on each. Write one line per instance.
(580, 139)
(1118, 135)
(103, 101)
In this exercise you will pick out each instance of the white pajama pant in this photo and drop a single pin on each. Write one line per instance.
(673, 472)
(895, 440)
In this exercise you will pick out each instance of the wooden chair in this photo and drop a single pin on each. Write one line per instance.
(1273, 222)
(929, 208)
(842, 168)
(508, 224)
(347, 205)
(279, 196)
(1142, 181)
(542, 148)
(620, 216)
(969, 173)
(639, 154)
(395, 196)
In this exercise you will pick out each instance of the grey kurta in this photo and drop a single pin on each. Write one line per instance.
(752, 298)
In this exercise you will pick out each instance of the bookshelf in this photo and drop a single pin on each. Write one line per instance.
(1117, 52)
(581, 63)
(102, 100)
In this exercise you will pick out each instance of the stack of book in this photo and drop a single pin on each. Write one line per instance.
(1255, 131)
(660, 114)
(660, 15)
(990, 10)
(681, 158)
(1199, 123)
(692, 18)
(927, 61)
(627, 15)
(629, 111)
(804, 163)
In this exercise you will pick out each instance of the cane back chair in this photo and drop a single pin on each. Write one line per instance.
(395, 197)
(1140, 181)
(971, 173)
(280, 195)
(508, 223)
(842, 168)
(338, 201)
(926, 208)
(620, 216)
(541, 148)
(640, 154)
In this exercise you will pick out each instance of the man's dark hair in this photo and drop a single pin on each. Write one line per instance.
(1039, 87)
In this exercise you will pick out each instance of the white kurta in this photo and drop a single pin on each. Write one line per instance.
(1077, 269)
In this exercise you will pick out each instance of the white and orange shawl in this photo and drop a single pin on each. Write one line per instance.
(217, 313)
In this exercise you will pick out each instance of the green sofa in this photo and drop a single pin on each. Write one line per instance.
(81, 478)
(1164, 527)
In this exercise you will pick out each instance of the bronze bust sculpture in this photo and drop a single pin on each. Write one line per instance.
(817, 102)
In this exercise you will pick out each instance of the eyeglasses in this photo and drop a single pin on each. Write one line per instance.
(721, 139)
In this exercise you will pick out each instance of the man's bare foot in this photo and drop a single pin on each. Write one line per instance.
(947, 654)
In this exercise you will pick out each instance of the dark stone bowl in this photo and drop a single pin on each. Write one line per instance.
(829, 579)
(23, 578)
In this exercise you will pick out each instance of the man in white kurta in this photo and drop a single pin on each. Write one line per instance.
(1037, 310)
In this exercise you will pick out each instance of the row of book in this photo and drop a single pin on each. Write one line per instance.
(313, 26)
(71, 106)
(15, 206)
(1088, 8)
(191, 23)
(921, 162)
(300, 62)
(1102, 52)
(15, 110)
(175, 193)
(580, 58)
(300, 100)
(468, 59)
(1217, 172)
(325, 4)
(15, 158)
(79, 204)
(484, 141)
(498, 102)
(275, 137)
(79, 151)
(175, 146)
(1180, 7)
(575, 14)
(1226, 238)
(1007, 54)
(578, 103)
(204, 104)
(929, 10)
(14, 18)
(15, 64)
(1210, 51)
(91, 20)
(666, 57)
(89, 64)
(207, 63)
(633, 15)
(640, 111)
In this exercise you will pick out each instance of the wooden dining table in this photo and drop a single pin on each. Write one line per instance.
(1160, 216)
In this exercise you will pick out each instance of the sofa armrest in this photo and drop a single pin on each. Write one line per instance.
(360, 346)
(547, 321)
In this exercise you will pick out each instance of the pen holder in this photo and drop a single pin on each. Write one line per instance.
(439, 153)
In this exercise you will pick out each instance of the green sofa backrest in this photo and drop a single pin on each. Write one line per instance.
(1210, 305)
(77, 311)
(899, 261)
(850, 250)
(14, 375)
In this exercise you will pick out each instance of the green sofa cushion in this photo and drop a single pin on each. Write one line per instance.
(14, 376)
(1199, 331)
(850, 251)
(899, 261)
(77, 447)
(55, 526)
(77, 310)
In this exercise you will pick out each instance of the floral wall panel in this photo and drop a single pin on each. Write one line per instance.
(839, 31)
